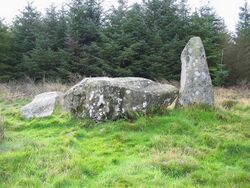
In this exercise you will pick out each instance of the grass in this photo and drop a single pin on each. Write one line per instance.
(194, 147)
(1, 128)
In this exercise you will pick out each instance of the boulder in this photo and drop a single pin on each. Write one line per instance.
(104, 98)
(196, 84)
(43, 105)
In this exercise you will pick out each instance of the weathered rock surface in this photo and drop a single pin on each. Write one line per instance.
(43, 105)
(105, 98)
(196, 84)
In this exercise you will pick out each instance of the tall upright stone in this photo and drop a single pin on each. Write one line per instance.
(196, 84)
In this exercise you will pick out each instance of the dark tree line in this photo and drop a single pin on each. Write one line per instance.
(81, 38)
(237, 53)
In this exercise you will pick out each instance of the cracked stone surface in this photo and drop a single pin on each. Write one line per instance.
(196, 84)
(43, 105)
(104, 98)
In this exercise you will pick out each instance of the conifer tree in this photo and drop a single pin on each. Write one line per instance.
(6, 53)
(237, 54)
(26, 29)
(211, 28)
(84, 30)
(143, 40)
(49, 53)
(244, 19)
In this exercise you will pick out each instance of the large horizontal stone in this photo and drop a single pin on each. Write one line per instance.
(105, 98)
(43, 105)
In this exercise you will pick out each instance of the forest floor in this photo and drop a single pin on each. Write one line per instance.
(193, 147)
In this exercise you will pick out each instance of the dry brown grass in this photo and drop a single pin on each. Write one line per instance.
(26, 90)
(225, 96)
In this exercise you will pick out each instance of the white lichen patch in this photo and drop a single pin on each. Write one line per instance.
(166, 101)
(90, 112)
(128, 92)
(117, 109)
(99, 118)
(204, 75)
(91, 95)
(134, 108)
(119, 100)
(101, 100)
(197, 73)
(144, 105)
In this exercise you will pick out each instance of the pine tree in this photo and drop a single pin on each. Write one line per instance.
(244, 19)
(211, 28)
(6, 53)
(166, 28)
(49, 54)
(238, 53)
(84, 20)
(143, 40)
(84, 31)
(26, 31)
(120, 40)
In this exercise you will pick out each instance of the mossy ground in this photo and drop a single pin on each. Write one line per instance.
(194, 147)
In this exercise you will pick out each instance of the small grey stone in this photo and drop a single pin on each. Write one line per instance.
(43, 105)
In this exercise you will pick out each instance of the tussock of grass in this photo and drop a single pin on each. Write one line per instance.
(175, 162)
(228, 104)
(194, 147)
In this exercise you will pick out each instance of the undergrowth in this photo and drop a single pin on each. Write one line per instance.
(194, 147)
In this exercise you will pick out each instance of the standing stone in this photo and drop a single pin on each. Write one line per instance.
(43, 105)
(196, 84)
(104, 98)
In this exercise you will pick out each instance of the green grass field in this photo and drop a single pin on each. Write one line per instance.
(195, 147)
